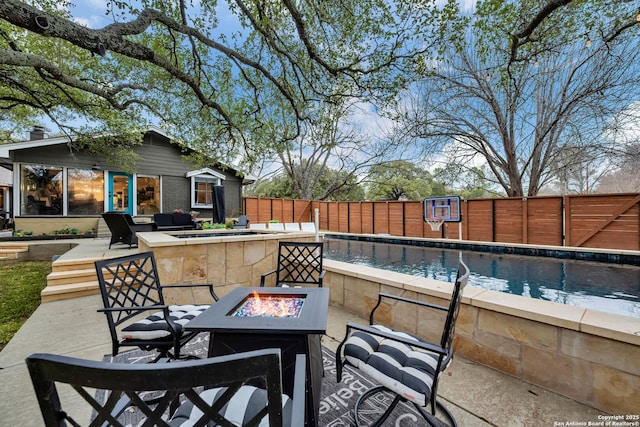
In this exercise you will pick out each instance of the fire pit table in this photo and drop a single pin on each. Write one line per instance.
(292, 319)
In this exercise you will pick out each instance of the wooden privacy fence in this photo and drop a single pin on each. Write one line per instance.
(609, 221)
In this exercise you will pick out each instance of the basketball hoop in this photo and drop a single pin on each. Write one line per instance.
(435, 224)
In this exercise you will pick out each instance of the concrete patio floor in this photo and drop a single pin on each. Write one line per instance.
(476, 395)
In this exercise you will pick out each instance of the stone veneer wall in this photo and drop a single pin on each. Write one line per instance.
(590, 356)
(227, 262)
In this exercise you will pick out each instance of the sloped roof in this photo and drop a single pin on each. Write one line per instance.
(5, 149)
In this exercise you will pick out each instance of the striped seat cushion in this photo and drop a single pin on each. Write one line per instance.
(243, 406)
(154, 326)
(401, 368)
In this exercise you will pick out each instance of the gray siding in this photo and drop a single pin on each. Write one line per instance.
(158, 156)
(56, 155)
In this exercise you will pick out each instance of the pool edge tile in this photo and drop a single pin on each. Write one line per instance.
(565, 316)
(427, 286)
(613, 326)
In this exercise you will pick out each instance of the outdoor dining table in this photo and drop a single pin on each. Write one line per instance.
(233, 329)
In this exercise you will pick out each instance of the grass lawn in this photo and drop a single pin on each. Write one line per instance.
(20, 286)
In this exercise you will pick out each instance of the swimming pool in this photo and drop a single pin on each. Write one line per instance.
(613, 288)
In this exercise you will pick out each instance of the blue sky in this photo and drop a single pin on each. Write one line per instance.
(91, 13)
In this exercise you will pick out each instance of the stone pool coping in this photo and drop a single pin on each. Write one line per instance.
(160, 239)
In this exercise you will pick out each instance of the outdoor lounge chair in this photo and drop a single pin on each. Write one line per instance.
(308, 226)
(188, 393)
(403, 364)
(242, 222)
(275, 226)
(130, 288)
(123, 229)
(299, 263)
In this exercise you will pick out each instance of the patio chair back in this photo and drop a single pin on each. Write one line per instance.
(405, 365)
(448, 332)
(299, 264)
(130, 288)
(243, 222)
(171, 393)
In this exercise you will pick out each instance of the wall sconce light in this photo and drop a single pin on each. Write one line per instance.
(96, 167)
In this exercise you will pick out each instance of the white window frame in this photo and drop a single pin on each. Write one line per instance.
(207, 174)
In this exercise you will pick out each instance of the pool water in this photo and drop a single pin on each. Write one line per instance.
(611, 288)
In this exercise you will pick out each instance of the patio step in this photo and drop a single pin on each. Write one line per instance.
(10, 252)
(56, 278)
(70, 279)
(14, 245)
(103, 229)
(70, 290)
(59, 266)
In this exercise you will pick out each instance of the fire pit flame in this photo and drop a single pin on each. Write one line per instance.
(270, 306)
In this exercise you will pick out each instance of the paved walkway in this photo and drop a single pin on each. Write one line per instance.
(477, 395)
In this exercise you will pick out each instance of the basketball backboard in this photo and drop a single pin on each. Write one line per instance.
(445, 209)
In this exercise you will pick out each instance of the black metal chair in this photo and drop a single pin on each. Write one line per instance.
(123, 229)
(299, 263)
(131, 289)
(111, 388)
(405, 365)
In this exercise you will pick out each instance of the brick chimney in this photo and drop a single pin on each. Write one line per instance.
(36, 133)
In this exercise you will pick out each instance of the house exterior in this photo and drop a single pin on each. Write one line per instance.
(6, 182)
(53, 188)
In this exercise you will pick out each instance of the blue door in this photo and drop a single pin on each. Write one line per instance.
(121, 192)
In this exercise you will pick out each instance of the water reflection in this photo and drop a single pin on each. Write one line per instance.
(604, 287)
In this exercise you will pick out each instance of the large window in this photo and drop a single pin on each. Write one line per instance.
(202, 183)
(41, 190)
(85, 192)
(148, 195)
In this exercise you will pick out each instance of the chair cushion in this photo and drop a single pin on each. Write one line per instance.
(154, 326)
(243, 406)
(401, 368)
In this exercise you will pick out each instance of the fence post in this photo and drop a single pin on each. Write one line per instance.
(525, 221)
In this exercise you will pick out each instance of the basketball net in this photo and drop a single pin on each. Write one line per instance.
(435, 224)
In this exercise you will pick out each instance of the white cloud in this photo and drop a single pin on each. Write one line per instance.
(465, 5)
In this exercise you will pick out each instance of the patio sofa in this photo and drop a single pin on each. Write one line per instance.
(174, 221)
